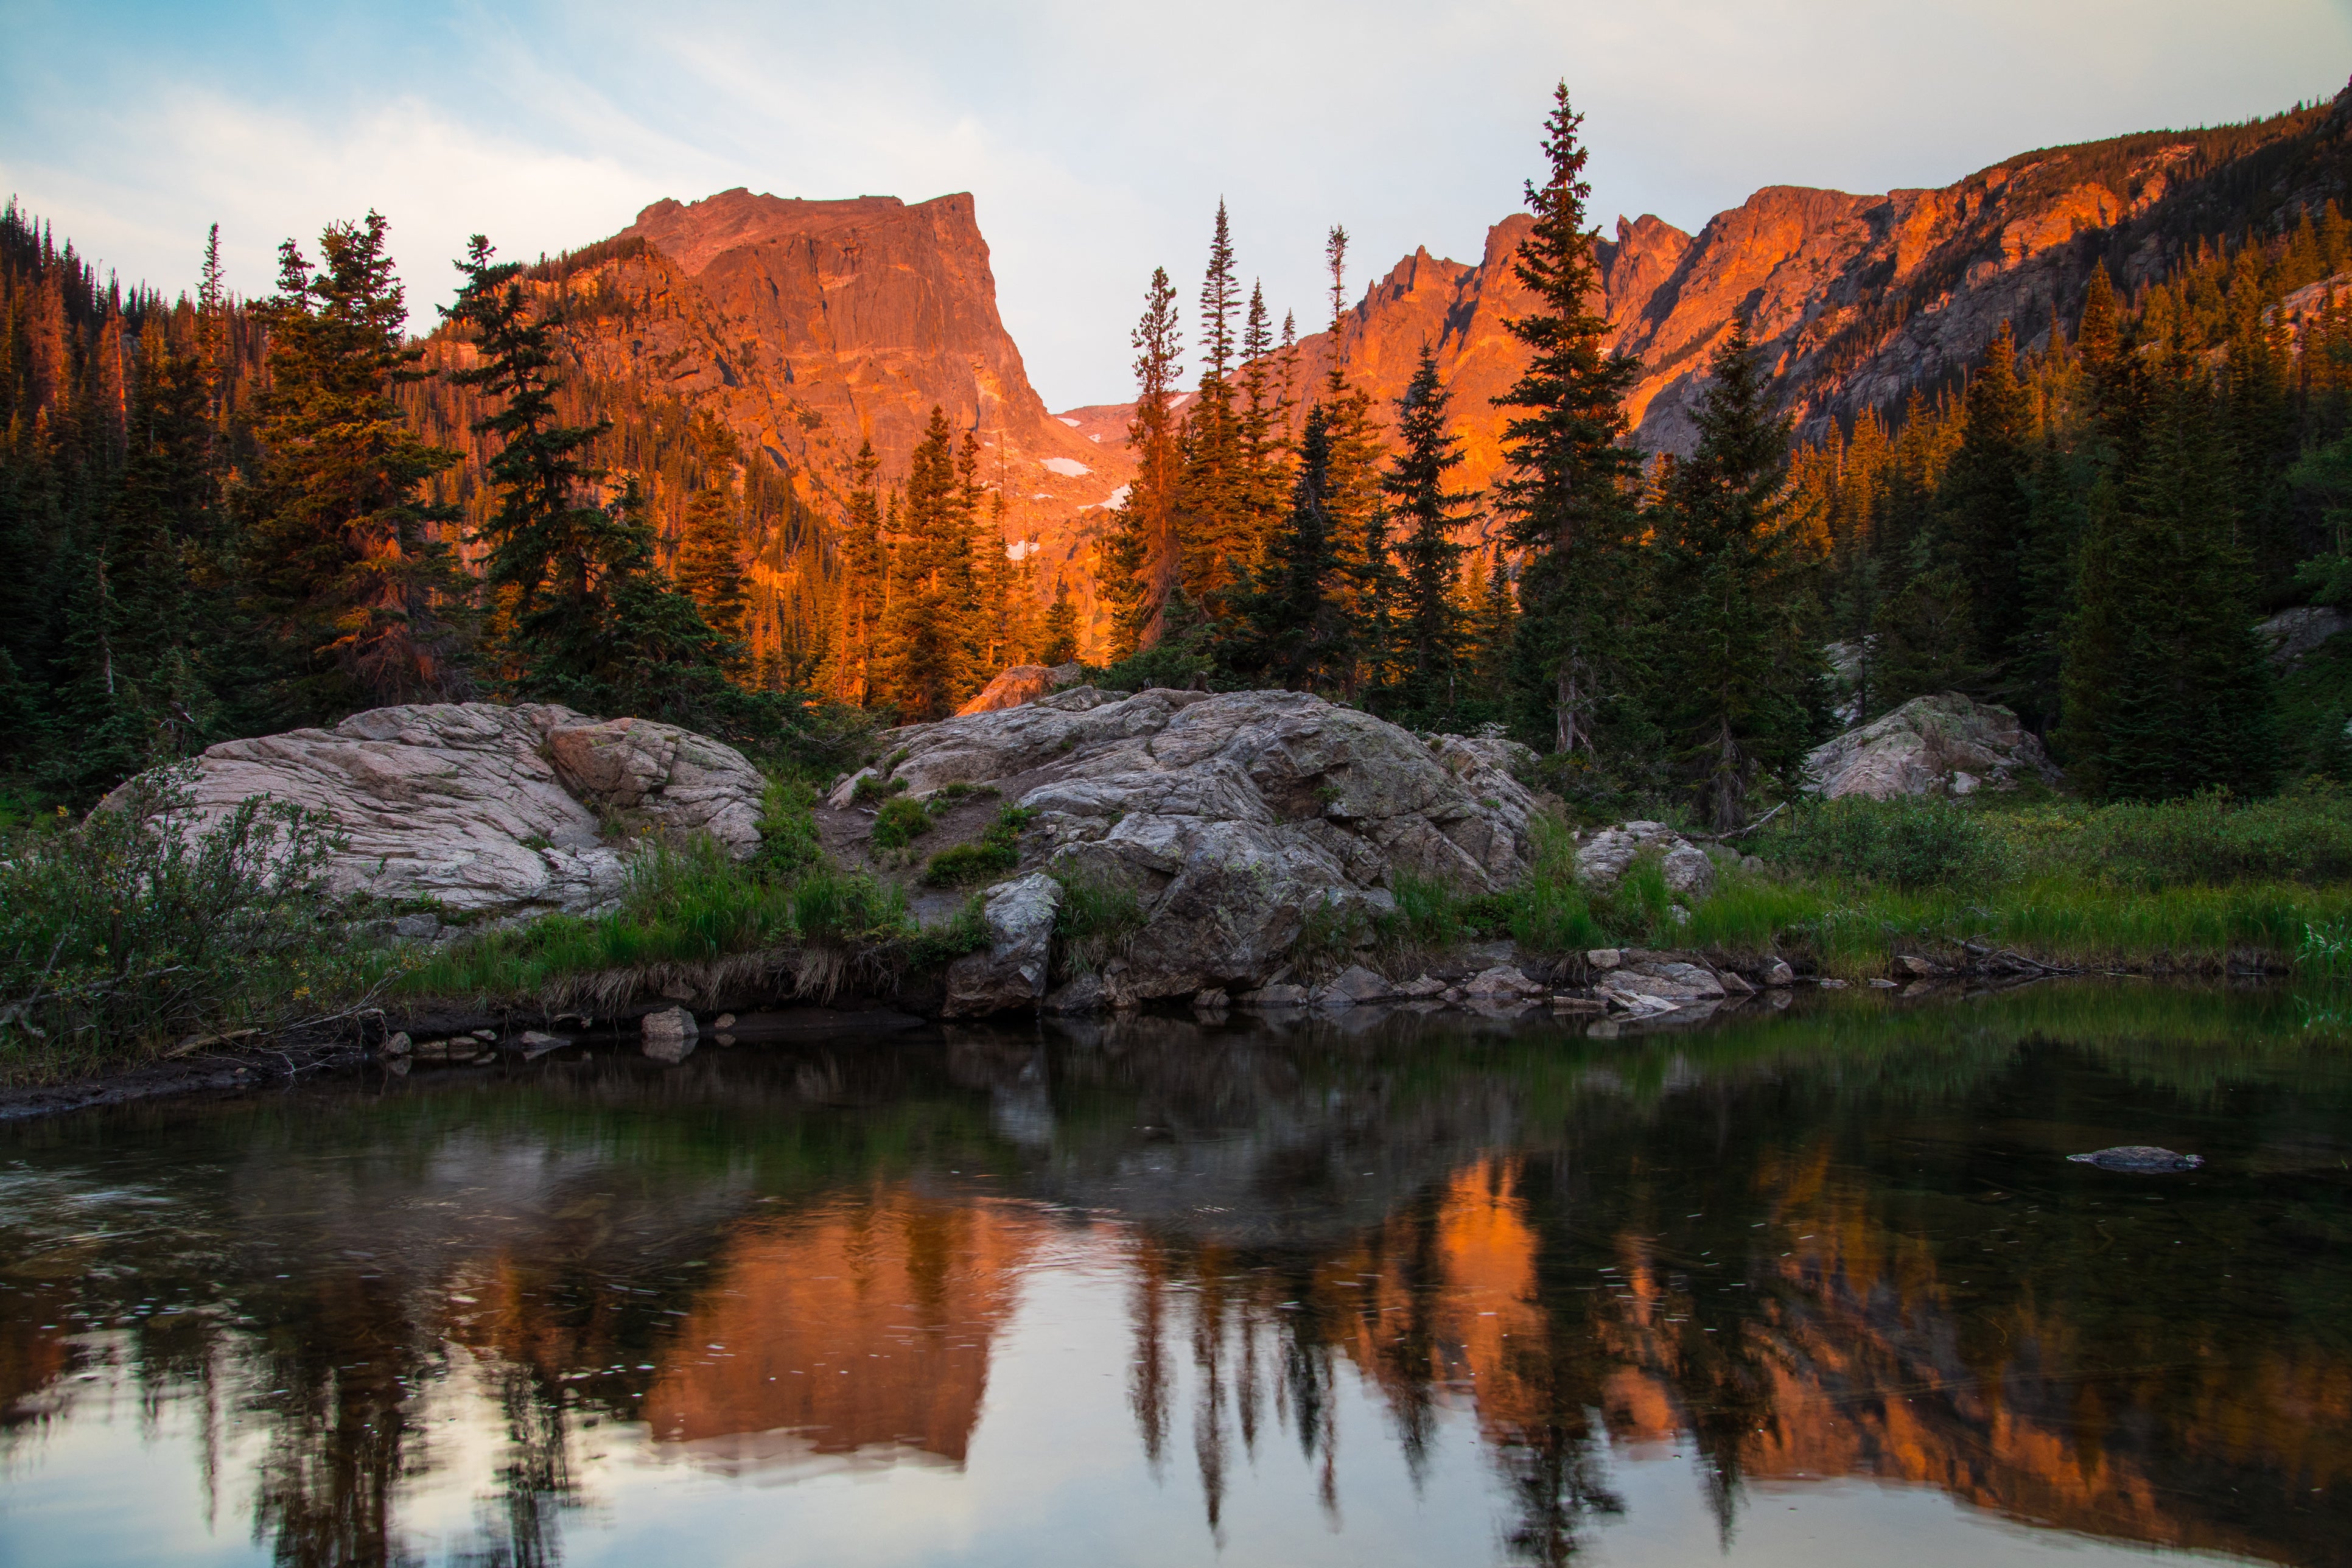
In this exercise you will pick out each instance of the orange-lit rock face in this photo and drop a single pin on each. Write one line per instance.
(858, 1325)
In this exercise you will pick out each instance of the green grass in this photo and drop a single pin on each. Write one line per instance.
(1095, 922)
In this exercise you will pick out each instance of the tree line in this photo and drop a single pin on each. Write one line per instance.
(223, 517)
(2086, 531)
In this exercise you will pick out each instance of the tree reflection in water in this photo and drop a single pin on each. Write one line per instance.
(1842, 1244)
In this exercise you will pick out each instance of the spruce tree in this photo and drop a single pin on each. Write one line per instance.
(1354, 487)
(1742, 673)
(928, 662)
(371, 607)
(1214, 496)
(2167, 690)
(589, 620)
(1988, 502)
(1429, 617)
(710, 542)
(1291, 630)
(1060, 632)
(1144, 556)
(1568, 497)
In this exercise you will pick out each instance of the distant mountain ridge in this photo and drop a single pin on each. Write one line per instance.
(1857, 299)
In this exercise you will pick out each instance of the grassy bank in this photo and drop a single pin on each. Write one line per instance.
(120, 942)
(1847, 886)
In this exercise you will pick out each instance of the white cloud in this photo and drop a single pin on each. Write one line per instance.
(1097, 140)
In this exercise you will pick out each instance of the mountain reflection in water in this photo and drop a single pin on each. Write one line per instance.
(1151, 1291)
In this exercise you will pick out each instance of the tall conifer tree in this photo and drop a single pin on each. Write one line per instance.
(1430, 620)
(1567, 496)
(369, 603)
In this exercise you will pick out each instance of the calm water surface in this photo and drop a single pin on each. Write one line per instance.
(1806, 1288)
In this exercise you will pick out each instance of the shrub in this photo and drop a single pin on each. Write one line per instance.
(871, 789)
(841, 908)
(994, 852)
(129, 931)
(1910, 842)
(788, 840)
(899, 822)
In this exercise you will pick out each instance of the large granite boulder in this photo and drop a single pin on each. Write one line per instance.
(1948, 744)
(494, 812)
(1235, 820)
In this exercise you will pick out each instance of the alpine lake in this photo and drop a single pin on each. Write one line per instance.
(1805, 1284)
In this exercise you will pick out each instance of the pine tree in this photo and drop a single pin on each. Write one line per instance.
(927, 660)
(1430, 620)
(544, 538)
(1061, 628)
(369, 603)
(1291, 631)
(1988, 503)
(1354, 488)
(711, 544)
(1568, 497)
(1264, 416)
(1742, 673)
(2165, 687)
(1144, 557)
(590, 620)
(1213, 497)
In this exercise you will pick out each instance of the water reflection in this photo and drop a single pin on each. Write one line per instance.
(1247, 1275)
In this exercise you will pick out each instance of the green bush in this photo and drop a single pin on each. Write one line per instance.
(899, 822)
(788, 840)
(994, 853)
(842, 908)
(1910, 842)
(126, 931)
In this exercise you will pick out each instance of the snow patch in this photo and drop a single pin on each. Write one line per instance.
(1022, 549)
(1096, 439)
(1069, 467)
(1111, 503)
(1067, 420)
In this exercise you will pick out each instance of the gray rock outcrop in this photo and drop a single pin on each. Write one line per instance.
(1604, 859)
(494, 812)
(1235, 820)
(1947, 744)
(2292, 635)
(1011, 972)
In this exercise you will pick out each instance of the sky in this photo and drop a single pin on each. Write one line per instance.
(1096, 139)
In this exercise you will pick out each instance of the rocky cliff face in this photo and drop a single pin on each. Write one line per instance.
(809, 327)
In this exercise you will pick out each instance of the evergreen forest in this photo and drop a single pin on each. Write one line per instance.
(223, 517)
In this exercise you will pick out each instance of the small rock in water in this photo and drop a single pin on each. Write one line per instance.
(668, 1035)
(724, 1021)
(2145, 1158)
(397, 1046)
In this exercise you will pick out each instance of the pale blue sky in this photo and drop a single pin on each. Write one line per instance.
(1096, 138)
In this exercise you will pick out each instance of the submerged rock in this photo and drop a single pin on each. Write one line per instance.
(2141, 1158)
(1948, 744)
(490, 811)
